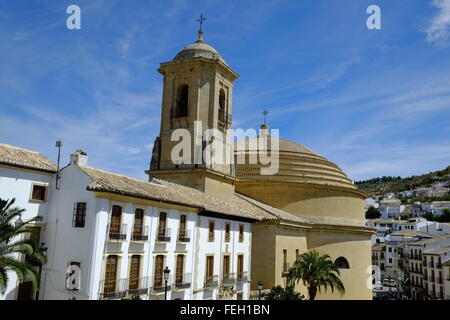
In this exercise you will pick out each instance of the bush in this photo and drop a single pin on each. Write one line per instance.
(280, 293)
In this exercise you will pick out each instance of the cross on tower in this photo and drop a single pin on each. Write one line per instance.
(265, 113)
(200, 20)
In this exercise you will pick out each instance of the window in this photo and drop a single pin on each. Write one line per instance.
(211, 230)
(181, 103)
(342, 263)
(389, 249)
(79, 215)
(135, 266)
(239, 296)
(241, 233)
(138, 223)
(179, 269)
(38, 193)
(227, 232)
(110, 274)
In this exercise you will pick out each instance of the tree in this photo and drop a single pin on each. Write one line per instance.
(316, 271)
(11, 248)
(444, 217)
(280, 293)
(429, 216)
(372, 213)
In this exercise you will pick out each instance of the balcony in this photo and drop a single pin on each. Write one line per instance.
(431, 279)
(184, 236)
(139, 233)
(113, 289)
(117, 231)
(242, 276)
(438, 265)
(228, 278)
(431, 265)
(138, 286)
(183, 280)
(211, 281)
(163, 235)
(438, 280)
(159, 284)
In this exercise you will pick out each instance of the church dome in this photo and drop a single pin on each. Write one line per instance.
(297, 164)
(198, 49)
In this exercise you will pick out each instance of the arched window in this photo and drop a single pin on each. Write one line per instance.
(341, 263)
(181, 107)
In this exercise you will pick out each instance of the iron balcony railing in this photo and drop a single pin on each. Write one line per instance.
(184, 235)
(163, 235)
(137, 286)
(431, 265)
(438, 280)
(211, 281)
(117, 231)
(113, 289)
(228, 278)
(159, 284)
(140, 233)
(430, 278)
(242, 276)
(183, 280)
(438, 265)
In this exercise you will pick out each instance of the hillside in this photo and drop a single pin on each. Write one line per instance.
(395, 184)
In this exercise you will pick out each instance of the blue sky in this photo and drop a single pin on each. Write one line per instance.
(376, 102)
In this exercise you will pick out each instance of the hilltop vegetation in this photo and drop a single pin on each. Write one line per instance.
(396, 184)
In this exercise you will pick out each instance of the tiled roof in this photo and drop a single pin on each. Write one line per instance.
(23, 158)
(412, 233)
(439, 250)
(169, 192)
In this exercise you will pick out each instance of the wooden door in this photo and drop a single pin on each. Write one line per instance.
(110, 274)
(180, 267)
(135, 265)
(159, 268)
(240, 264)
(226, 266)
(209, 267)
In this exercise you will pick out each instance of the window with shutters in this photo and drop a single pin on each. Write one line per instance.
(79, 215)
(110, 274)
(240, 264)
(135, 265)
(211, 228)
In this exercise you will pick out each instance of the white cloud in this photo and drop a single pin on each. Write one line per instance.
(439, 28)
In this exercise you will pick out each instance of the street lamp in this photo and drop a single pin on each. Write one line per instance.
(260, 287)
(43, 248)
(166, 278)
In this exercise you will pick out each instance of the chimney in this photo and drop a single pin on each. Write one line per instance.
(79, 158)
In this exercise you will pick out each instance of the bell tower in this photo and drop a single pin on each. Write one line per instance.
(197, 96)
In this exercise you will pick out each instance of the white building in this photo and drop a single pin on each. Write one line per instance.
(110, 236)
(26, 176)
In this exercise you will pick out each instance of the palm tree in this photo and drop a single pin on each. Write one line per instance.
(316, 271)
(11, 248)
